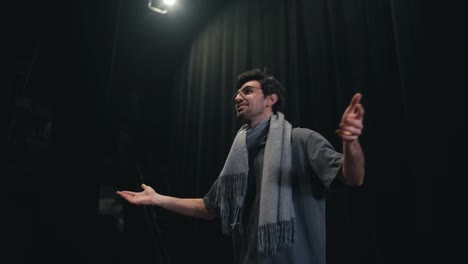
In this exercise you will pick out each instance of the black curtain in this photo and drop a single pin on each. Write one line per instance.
(323, 52)
(52, 164)
(111, 94)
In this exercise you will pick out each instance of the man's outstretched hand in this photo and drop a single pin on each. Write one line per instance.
(145, 197)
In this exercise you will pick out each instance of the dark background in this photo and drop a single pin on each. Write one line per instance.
(100, 96)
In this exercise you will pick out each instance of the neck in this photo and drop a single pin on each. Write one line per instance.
(257, 121)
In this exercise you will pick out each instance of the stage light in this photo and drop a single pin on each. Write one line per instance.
(169, 2)
(160, 6)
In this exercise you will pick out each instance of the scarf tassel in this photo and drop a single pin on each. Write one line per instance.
(230, 195)
(272, 237)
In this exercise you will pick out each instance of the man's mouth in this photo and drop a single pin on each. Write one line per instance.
(240, 107)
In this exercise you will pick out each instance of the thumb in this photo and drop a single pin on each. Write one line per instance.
(359, 111)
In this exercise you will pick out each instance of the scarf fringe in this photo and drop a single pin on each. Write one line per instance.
(230, 197)
(272, 237)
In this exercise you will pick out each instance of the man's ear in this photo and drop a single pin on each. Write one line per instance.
(272, 99)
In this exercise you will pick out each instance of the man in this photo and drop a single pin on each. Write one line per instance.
(270, 194)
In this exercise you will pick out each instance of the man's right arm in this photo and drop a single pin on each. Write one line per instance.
(194, 207)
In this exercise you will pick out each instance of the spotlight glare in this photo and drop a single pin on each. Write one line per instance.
(160, 6)
(169, 2)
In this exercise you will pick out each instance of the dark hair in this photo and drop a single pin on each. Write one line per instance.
(269, 86)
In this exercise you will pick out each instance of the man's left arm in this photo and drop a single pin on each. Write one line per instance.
(350, 129)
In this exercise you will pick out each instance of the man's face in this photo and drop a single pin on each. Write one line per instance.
(251, 103)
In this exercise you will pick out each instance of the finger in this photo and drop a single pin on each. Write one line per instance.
(128, 192)
(346, 135)
(354, 101)
(341, 132)
(359, 110)
(147, 189)
(352, 122)
(349, 130)
(126, 196)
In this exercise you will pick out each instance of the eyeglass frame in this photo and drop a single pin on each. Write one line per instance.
(242, 93)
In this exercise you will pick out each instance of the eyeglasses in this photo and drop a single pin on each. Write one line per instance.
(245, 91)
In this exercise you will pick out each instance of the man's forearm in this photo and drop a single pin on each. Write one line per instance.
(193, 207)
(353, 166)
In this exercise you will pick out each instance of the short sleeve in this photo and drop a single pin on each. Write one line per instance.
(324, 160)
(210, 199)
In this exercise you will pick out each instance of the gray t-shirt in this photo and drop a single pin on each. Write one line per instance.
(315, 164)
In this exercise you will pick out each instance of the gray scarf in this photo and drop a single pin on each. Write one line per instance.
(276, 217)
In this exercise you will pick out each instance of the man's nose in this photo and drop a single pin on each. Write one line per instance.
(238, 98)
